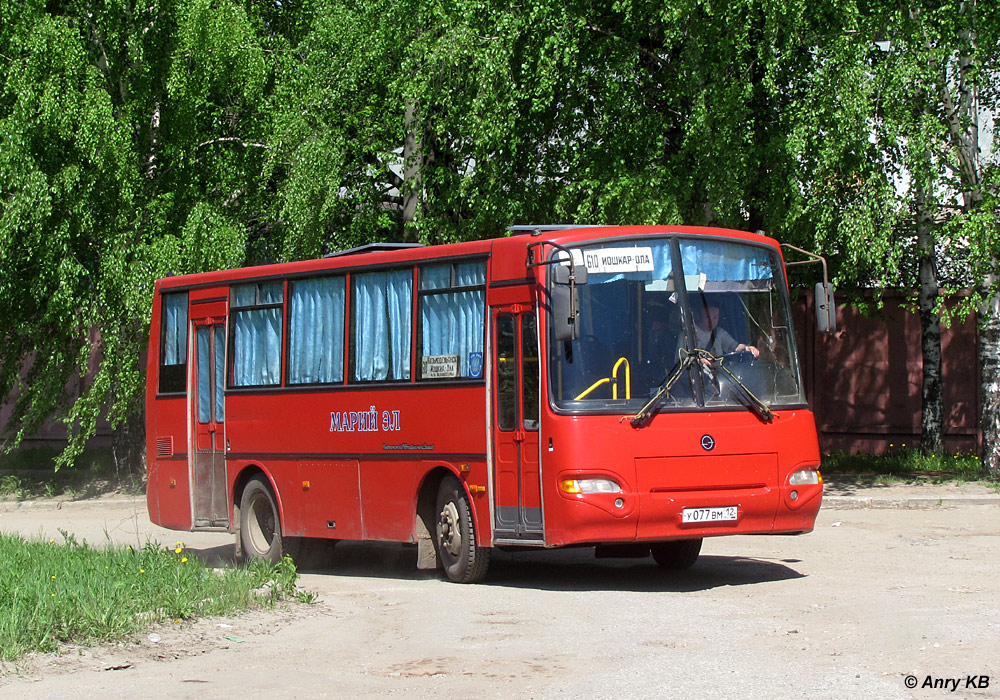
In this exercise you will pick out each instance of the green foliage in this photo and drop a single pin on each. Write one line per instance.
(173, 136)
(908, 463)
(55, 593)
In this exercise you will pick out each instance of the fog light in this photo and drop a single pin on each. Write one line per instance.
(619, 503)
(794, 495)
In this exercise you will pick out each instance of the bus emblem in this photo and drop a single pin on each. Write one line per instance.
(707, 443)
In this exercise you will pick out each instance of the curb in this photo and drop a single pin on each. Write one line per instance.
(56, 504)
(915, 502)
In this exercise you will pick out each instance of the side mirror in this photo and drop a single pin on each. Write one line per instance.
(566, 301)
(560, 274)
(826, 308)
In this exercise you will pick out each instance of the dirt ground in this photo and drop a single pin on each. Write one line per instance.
(849, 611)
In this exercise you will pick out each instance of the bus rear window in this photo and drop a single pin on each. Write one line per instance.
(173, 343)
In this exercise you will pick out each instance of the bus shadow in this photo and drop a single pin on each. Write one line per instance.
(556, 570)
(221, 557)
(585, 573)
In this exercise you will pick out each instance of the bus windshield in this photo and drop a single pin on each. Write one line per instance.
(652, 303)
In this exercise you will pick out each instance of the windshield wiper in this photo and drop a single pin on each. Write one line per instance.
(647, 411)
(738, 390)
(742, 393)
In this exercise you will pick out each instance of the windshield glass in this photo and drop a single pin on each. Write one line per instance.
(650, 303)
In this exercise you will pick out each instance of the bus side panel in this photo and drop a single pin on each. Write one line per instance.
(316, 498)
(387, 501)
(324, 501)
(310, 441)
(168, 492)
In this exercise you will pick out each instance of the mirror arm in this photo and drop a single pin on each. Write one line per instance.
(826, 313)
(557, 261)
(812, 259)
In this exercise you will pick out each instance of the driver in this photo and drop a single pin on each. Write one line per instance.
(709, 335)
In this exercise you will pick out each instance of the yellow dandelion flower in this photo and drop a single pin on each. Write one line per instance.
(142, 571)
(53, 577)
(178, 550)
(183, 560)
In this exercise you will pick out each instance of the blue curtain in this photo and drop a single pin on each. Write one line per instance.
(220, 373)
(453, 323)
(316, 331)
(175, 319)
(204, 377)
(435, 277)
(257, 347)
(382, 322)
(726, 262)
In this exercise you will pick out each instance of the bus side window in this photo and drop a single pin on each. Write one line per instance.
(381, 325)
(256, 311)
(173, 343)
(452, 321)
(316, 331)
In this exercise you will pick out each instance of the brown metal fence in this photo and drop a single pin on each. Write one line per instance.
(864, 381)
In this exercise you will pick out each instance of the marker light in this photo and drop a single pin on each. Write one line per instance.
(590, 486)
(803, 477)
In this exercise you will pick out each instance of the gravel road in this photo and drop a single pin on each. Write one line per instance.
(849, 611)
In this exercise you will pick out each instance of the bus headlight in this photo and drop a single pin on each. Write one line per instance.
(589, 486)
(803, 477)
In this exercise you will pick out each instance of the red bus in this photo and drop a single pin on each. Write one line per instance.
(635, 389)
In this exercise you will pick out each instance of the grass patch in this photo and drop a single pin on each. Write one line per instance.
(52, 593)
(907, 464)
(30, 473)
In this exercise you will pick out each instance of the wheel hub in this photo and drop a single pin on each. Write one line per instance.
(450, 532)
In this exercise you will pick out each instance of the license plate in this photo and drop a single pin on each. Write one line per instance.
(708, 515)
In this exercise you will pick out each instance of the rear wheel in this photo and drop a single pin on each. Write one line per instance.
(260, 525)
(455, 536)
(677, 554)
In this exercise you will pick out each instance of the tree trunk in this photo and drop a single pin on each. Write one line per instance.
(128, 446)
(989, 381)
(931, 423)
(412, 186)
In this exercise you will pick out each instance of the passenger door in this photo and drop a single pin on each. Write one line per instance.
(210, 503)
(517, 477)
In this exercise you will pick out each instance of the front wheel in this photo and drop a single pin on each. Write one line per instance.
(455, 536)
(260, 525)
(676, 554)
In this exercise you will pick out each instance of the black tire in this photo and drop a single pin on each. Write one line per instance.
(260, 525)
(455, 536)
(676, 554)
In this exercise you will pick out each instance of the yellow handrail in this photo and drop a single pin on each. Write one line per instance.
(628, 379)
(593, 386)
(614, 379)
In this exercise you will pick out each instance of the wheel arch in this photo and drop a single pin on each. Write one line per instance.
(425, 516)
(245, 474)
